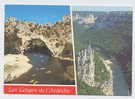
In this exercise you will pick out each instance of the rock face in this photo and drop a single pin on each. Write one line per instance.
(107, 86)
(15, 66)
(56, 39)
(55, 36)
(85, 19)
(86, 66)
(86, 71)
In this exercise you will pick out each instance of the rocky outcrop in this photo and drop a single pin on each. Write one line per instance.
(86, 66)
(84, 18)
(107, 86)
(56, 41)
(15, 66)
(86, 71)
(20, 33)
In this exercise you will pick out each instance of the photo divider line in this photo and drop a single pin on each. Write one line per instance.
(73, 43)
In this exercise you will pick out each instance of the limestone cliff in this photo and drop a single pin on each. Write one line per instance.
(53, 39)
(86, 68)
(85, 19)
(18, 35)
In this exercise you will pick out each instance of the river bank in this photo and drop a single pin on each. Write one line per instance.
(44, 70)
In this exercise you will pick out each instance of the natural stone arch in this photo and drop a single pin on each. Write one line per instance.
(55, 35)
(55, 45)
(39, 46)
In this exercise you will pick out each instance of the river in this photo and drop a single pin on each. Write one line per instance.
(120, 87)
(45, 70)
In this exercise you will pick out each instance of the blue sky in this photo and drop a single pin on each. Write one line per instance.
(100, 8)
(37, 13)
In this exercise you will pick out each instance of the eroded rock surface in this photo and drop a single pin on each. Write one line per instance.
(57, 39)
(86, 71)
(20, 33)
(86, 66)
(15, 66)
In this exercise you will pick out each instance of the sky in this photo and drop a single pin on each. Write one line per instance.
(100, 8)
(37, 13)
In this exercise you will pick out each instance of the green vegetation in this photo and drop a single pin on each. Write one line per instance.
(128, 74)
(101, 74)
(129, 67)
(110, 39)
(84, 89)
(80, 42)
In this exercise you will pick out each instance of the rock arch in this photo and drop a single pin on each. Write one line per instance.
(53, 44)
(55, 36)
(36, 45)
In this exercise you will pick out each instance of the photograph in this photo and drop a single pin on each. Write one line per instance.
(38, 45)
(103, 49)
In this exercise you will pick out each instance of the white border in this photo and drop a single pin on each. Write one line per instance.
(122, 3)
(2, 40)
(72, 45)
(133, 35)
(72, 30)
(1, 46)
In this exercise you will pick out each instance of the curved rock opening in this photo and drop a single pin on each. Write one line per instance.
(37, 46)
(44, 49)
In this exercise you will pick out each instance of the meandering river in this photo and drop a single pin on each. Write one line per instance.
(120, 87)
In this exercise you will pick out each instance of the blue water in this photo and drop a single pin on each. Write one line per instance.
(120, 87)
(38, 59)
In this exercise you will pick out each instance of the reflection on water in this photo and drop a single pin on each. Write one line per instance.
(45, 70)
(38, 59)
(120, 87)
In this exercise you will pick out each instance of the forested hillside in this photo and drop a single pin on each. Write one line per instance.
(110, 35)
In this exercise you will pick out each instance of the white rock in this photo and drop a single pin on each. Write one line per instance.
(15, 68)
